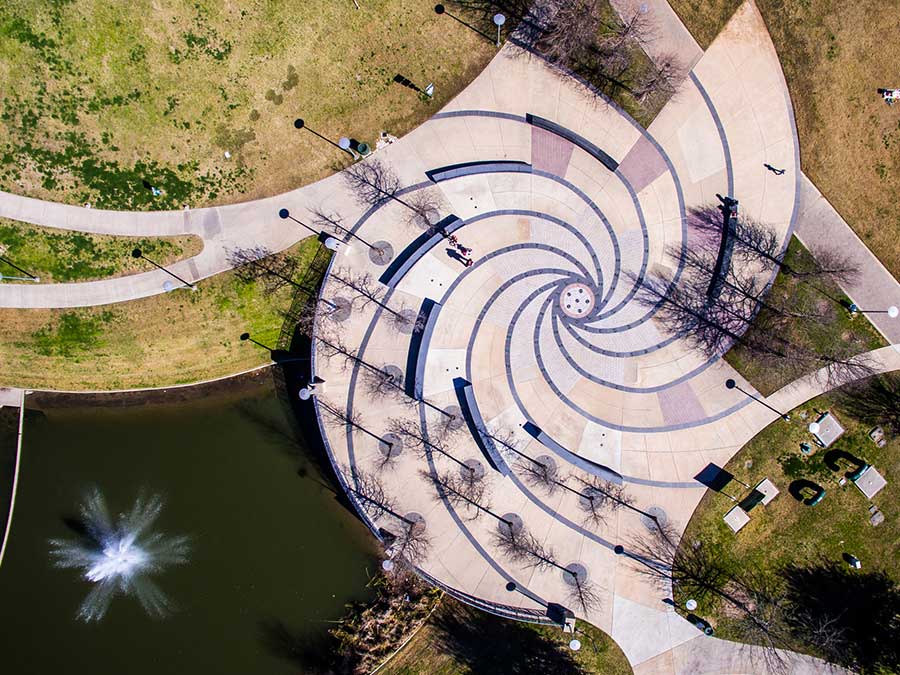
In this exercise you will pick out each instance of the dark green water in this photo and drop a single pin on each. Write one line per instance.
(269, 548)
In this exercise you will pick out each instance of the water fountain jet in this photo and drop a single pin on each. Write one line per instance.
(120, 557)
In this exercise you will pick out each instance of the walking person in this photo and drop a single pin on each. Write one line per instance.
(777, 172)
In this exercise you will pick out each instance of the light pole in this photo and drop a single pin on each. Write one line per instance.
(246, 336)
(285, 214)
(137, 253)
(731, 384)
(891, 311)
(29, 275)
(499, 20)
(299, 123)
(440, 9)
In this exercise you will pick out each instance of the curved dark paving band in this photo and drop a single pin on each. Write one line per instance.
(351, 455)
(578, 409)
(639, 352)
(480, 168)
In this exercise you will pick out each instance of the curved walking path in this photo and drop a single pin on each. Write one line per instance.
(568, 205)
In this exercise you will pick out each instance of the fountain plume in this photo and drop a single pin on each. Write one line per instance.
(119, 557)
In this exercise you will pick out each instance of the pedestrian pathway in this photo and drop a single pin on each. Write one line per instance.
(567, 207)
(874, 289)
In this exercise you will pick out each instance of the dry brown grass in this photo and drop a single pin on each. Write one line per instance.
(244, 102)
(173, 338)
(835, 56)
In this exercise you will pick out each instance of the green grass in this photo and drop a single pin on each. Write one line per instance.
(460, 640)
(835, 55)
(63, 255)
(99, 96)
(821, 297)
(177, 337)
(785, 532)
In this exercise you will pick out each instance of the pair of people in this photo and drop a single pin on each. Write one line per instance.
(464, 251)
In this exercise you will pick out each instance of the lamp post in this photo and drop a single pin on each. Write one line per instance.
(499, 20)
(440, 9)
(299, 123)
(246, 337)
(731, 384)
(891, 311)
(137, 253)
(285, 214)
(28, 275)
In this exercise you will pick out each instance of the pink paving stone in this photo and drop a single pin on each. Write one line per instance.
(642, 165)
(549, 152)
(680, 404)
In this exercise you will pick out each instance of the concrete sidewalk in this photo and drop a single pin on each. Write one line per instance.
(874, 288)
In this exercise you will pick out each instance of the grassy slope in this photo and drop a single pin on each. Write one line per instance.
(176, 337)
(834, 55)
(63, 256)
(838, 326)
(459, 640)
(785, 531)
(99, 96)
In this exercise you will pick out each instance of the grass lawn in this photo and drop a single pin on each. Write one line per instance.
(786, 532)
(102, 95)
(823, 300)
(835, 55)
(459, 640)
(173, 338)
(62, 255)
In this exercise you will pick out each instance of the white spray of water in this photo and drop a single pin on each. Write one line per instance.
(119, 557)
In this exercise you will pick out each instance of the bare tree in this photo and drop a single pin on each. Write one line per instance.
(659, 80)
(413, 435)
(425, 209)
(600, 498)
(540, 473)
(411, 545)
(618, 31)
(569, 30)
(468, 495)
(372, 182)
(374, 498)
(365, 288)
(274, 270)
(876, 401)
(354, 420)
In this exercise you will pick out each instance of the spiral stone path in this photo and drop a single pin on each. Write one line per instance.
(567, 205)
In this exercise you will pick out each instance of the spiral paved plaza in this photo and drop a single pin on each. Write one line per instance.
(568, 206)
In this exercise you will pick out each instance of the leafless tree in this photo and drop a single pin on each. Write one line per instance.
(411, 543)
(468, 495)
(875, 401)
(372, 182)
(659, 80)
(368, 488)
(599, 498)
(617, 32)
(582, 590)
(354, 420)
(257, 263)
(711, 323)
(519, 545)
(366, 289)
(425, 209)
(333, 223)
(540, 473)
(414, 436)
(569, 30)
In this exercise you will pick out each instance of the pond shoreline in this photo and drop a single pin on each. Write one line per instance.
(238, 383)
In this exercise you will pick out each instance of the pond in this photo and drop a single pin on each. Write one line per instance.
(273, 557)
